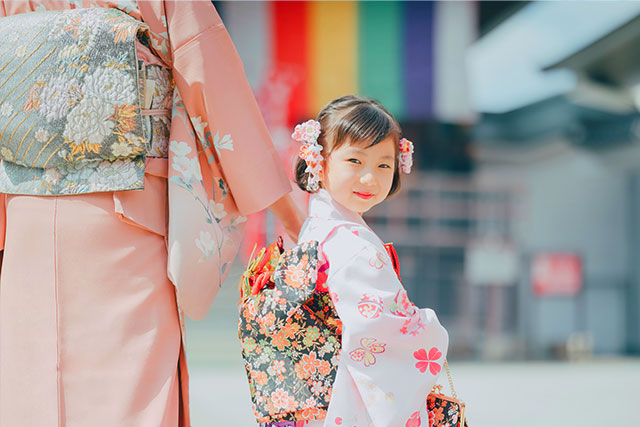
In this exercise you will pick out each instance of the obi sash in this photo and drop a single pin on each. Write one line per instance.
(72, 102)
(285, 322)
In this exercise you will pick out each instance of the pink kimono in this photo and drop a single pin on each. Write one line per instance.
(392, 351)
(93, 286)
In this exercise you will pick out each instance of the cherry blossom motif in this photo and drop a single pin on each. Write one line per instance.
(317, 387)
(413, 325)
(366, 351)
(414, 420)
(310, 151)
(334, 297)
(406, 155)
(370, 306)
(278, 367)
(308, 132)
(428, 361)
(280, 398)
(377, 261)
(401, 306)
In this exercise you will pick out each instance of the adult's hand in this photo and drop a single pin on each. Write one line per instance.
(289, 214)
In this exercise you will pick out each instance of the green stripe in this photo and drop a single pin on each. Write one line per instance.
(380, 65)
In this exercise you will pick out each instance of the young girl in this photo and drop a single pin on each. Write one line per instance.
(392, 351)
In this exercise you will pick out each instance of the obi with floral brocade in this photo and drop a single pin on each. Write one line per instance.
(80, 110)
(290, 334)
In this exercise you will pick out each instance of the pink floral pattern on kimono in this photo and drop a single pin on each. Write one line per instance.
(222, 164)
(216, 128)
(378, 380)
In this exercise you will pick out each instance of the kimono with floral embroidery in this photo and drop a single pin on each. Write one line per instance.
(392, 351)
(221, 164)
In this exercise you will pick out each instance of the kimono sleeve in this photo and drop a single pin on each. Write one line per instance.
(393, 351)
(221, 105)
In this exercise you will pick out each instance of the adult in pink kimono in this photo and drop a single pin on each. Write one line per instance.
(95, 281)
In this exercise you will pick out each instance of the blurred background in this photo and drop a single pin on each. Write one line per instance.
(520, 223)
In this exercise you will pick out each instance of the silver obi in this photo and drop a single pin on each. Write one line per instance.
(77, 111)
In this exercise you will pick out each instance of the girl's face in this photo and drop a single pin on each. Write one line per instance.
(359, 178)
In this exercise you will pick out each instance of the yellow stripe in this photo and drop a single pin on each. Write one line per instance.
(22, 63)
(5, 126)
(45, 146)
(27, 76)
(5, 65)
(24, 137)
(54, 152)
(28, 148)
(16, 128)
(12, 48)
(22, 94)
(333, 52)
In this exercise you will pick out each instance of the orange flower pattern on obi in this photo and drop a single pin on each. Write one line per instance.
(444, 411)
(290, 337)
(307, 366)
(296, 275)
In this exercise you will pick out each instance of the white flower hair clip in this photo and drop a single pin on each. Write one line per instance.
(308, 133)
(406, 155)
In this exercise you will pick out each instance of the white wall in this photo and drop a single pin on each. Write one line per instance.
(574, 202)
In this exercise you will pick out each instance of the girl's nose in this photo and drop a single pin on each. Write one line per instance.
(367, 178)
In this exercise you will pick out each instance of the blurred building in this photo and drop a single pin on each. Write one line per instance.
(557, 84)
(521, 224)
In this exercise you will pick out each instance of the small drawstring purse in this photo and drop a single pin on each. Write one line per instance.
(445, 411)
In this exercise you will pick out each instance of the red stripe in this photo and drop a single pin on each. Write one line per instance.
(290, 51)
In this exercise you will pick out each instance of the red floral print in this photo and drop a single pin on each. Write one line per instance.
(414, 420)
(370, 306)
(428, 361)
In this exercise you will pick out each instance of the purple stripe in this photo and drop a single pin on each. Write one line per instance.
(418, 60)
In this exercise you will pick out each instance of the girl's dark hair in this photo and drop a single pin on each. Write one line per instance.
(362, 121)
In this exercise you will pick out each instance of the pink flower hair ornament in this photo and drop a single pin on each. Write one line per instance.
(406, 155)
(307, 133)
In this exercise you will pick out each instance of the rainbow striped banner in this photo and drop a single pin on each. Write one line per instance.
(408, 55)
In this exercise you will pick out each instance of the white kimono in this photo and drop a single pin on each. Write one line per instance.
(392, 351)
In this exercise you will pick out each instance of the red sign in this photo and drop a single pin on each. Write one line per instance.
(557, 274)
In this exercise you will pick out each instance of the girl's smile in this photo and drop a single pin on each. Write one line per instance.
(363, 195)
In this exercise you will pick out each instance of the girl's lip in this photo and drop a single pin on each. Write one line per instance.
(365, 196)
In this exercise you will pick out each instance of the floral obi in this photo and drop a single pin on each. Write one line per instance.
(290, 333)
(79, 112)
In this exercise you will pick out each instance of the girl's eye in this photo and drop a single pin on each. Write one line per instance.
(356, 161)
(384, 165)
